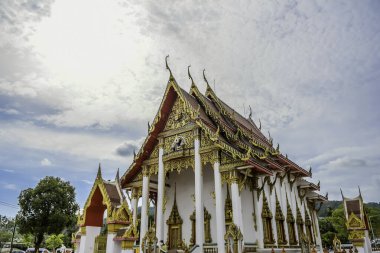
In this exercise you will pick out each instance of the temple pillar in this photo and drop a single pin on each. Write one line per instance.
(199, 213)
(88, 241)
(145, 205)
(134, 202)
(160, 194)
(318, 240)
(219, 208)
(258, 203)
(237, 214)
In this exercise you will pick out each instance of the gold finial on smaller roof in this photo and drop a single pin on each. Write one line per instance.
(99, 174)
(167, 67)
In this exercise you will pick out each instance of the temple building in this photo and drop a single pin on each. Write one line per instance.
(216, 184)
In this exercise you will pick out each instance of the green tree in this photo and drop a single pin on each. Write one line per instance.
(54, 241)
(48, 208)
(6, 230)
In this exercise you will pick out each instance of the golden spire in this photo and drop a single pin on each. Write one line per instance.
(99, 174)
(167, 67)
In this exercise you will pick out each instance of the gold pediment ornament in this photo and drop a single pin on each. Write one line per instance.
(178, 116)
(121, 214)
(354, 222)
(356, 235)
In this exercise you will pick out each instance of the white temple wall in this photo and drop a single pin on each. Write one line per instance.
(271, 198)
(208, 200)
(185, 189)
(249, 232)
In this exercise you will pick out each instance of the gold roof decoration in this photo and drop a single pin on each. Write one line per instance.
(229, 131)
(121, 214)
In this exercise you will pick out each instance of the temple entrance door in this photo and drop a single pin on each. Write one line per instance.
(174, 227)
(174, 237)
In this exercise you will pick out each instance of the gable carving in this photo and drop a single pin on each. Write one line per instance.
(177, 117)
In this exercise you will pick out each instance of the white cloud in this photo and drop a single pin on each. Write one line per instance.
(8, 186)
(46, 162)
(8, 170)
(87, 181)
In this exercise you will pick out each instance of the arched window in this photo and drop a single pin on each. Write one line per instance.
(308, 224)
(291, 225)
(266, 215)
(300, 223)
(280, 222)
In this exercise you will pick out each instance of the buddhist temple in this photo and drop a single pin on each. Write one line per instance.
(206, 179)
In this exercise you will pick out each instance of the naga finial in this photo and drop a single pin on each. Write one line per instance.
(167, 67)
(259, 124)
(204, 77)
(310, 171)
(188, 72)
(148, 126)
(134, 154)
(250, 112)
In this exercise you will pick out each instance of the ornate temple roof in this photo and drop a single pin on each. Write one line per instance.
(236, 135)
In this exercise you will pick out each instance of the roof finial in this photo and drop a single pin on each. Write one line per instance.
(117, 177)
(204, 77)
(148, 126)
(99, 174)
(341, 193)
(167, 67)
(188, 72)
(259, 124)
(134, 154)
(250, 112)
(310, 173)
(360, 193)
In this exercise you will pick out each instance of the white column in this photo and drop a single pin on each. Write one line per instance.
(160, 195)
(83, 240)
(144, 208)
(111, 244)
(220, 219)
(134, 207)
(317, 231)
(237, 214)
(199, 213)
(89, 241)
(258, 203)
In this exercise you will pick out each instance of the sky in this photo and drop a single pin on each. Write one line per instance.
(80, 79)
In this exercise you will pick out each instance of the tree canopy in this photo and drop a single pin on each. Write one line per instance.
(48, 208)
(54, 241)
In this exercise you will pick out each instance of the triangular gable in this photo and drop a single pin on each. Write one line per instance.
(191, 110)
(99, 190)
